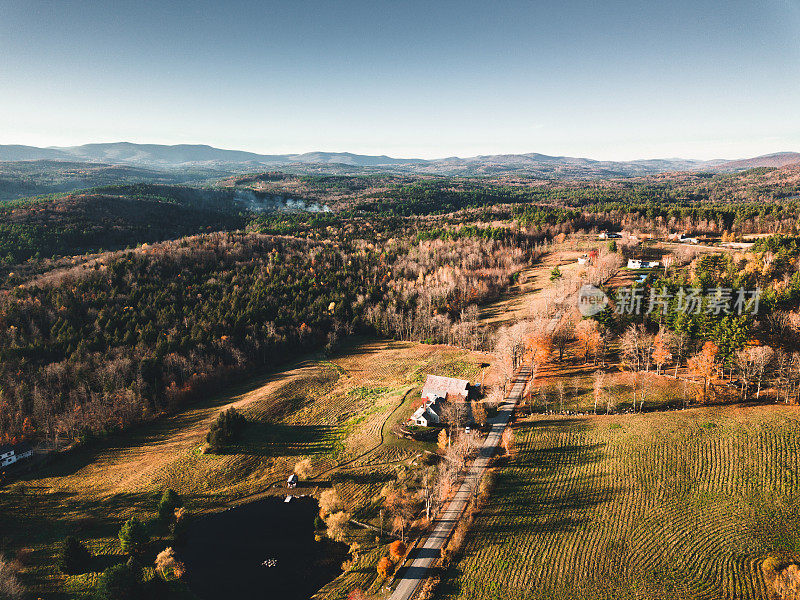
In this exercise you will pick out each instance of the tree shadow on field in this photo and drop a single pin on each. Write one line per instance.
(571, 455)
(449, 586)
(160, 430)
(281, 439)
(547, 493)
(566, 424)
(362, 347)
(362, 478)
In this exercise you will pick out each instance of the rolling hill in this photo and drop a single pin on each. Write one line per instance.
(779, 159)
(193, 156)
(112, 218)
(24, 178)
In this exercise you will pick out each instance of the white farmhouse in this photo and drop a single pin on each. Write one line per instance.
(436, 391)
(635, 263)
(426, 415)
(10, 454)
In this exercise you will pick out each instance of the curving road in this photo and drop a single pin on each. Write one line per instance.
(429, 550)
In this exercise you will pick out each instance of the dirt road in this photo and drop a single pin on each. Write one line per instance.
(428, 551)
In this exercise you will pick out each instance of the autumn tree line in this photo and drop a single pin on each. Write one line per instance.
(711, 347)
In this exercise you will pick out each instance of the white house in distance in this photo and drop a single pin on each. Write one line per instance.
(635, 263)
(10, 454)
(608, 235)
(435, 392)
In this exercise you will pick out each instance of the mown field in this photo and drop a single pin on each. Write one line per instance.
(338, 412)
(656, 506)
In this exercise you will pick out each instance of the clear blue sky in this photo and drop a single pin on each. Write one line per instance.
(615, 79)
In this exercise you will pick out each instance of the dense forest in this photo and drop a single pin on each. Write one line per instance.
(81, 223)
(124, 216)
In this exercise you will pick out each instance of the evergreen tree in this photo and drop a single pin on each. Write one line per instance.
(170, 501)
(133, 536)
(120, 582)
(74, 557)
(225, 429)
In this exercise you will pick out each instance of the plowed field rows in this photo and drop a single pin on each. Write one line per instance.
(675, 505)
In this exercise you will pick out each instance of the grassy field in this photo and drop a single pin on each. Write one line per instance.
(518, 302)
(338, 412)
(577, 381)
(656, 506)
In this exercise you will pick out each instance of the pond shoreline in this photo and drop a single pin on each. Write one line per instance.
(262, 549)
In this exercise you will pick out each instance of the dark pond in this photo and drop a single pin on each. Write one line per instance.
(224, 552)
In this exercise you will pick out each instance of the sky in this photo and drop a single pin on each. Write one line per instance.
(614, 80)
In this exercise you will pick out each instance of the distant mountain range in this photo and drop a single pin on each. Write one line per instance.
(184, 156)
(780, 159)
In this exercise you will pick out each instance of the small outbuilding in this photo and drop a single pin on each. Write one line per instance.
(292, 481)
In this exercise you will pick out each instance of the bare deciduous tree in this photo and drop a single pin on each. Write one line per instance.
(303, 468)
(336, 524)
(329, 502)
(762, 357)
(598, 388)
(562, 336)
(168, 566)
(561, 396)
(402, 506)
(10, 587)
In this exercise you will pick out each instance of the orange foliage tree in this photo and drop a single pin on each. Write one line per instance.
(385, 566)
(507, 441)
(704, 366)
(588, 334)
(397, 550)
(661, 353)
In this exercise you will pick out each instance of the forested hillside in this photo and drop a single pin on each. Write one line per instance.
(36, 177)
(136, 335)
(743, 202)
(111, 218)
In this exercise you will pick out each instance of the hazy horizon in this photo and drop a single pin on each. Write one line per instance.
(623, 80)
(394, 156)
